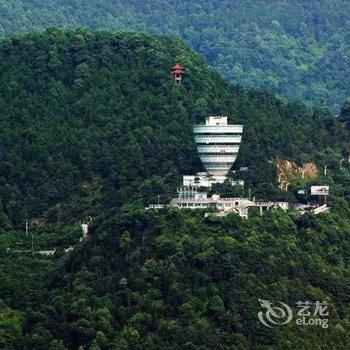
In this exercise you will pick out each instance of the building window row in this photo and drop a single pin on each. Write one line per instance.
(218, 154)
(209, 135)
(218, 144)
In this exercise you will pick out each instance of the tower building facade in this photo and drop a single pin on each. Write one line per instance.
(218, 144)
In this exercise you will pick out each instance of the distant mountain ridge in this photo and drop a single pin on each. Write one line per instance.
(298, 49)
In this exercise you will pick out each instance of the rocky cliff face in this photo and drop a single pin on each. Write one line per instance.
(288, 170)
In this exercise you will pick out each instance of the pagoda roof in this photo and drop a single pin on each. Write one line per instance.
(178, 68)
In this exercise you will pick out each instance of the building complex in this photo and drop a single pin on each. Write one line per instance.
(218, 144)
(191, 198)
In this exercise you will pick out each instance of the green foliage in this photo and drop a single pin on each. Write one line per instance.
(10, 329)
(172, 279)
(94, 119)
(344, 116)
(299, 49)
(92, 124)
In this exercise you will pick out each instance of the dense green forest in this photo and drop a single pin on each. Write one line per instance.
(179, 281)
(299, 49)
(83, 116)
(92, 124)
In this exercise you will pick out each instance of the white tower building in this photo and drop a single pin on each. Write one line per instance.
(218, 144)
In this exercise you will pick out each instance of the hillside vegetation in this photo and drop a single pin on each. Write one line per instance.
(179, 281)
(299, 49)
(91, 118)
(93, 124)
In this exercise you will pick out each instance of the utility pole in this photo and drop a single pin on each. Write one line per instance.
(325, 169)
(27, 227)
(341, 164)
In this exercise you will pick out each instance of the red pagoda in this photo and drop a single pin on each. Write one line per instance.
(178, 71)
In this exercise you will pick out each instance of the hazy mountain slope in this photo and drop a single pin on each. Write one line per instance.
(298, 49)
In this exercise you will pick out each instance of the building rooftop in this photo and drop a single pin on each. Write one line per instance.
(216, 120)
(178, 68)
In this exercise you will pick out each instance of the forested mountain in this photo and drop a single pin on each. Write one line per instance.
(91, 123)
(88, 118)
(299, 49)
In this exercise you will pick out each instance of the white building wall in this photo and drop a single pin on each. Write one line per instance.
(218, 144)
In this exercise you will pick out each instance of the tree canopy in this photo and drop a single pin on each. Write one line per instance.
(92, 124)
(93, 118)
(299, 49)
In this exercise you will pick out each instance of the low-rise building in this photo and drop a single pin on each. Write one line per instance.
(190, 198)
